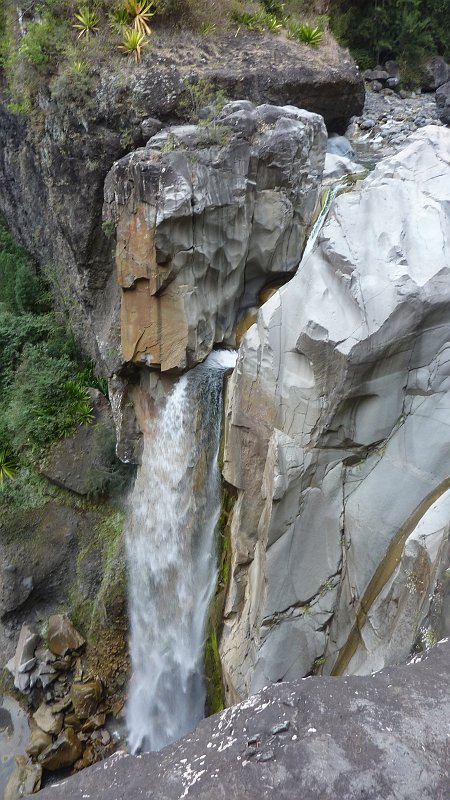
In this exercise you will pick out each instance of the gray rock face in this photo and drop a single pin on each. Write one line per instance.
(377, 737)
(337, 441)
(443, 103)
(437, 72)
(204, 216)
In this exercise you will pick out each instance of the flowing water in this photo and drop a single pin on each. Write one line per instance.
(172, 557)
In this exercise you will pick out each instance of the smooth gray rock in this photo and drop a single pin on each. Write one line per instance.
(337, 439)
(378, 737)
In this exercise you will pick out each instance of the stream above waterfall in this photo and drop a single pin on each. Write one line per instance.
(172, 557)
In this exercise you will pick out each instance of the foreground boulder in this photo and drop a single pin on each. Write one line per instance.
(337, 439)
(372, 737)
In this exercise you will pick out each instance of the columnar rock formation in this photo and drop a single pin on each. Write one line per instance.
(205, 216)
(337, 437)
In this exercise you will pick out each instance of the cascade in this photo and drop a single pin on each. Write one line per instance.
(172, 557)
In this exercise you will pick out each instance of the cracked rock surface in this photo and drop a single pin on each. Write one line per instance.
(378, 737)
(337, 438)
(205, 216)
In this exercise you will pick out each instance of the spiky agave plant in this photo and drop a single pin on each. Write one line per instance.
(87, 22)
(132, 43)
(118, 19)
(141, 11)
(7, 467)
(308, 34)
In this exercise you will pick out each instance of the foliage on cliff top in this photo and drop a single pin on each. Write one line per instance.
(49, 38)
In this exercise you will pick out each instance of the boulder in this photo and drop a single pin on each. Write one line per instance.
(443, 103)
(378, 75)
(204, 216)
(48, 721)
(62, 637)
(436, 73)
(336, 437)
(64, 751)
(328, 738)
(86, 697)
(24, 659)
(39, 741)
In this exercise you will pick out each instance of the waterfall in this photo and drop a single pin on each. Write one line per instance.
(172, 557)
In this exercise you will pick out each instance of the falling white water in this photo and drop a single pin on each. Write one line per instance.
(172, 557)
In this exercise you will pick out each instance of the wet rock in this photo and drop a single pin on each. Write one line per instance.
(86, 697)
(62, 637)
(25, 780)
(63, 752)
(48, 721)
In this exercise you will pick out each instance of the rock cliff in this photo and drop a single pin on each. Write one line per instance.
(336, 437)
(53, 164)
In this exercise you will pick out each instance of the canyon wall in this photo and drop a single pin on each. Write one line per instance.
(336, 437)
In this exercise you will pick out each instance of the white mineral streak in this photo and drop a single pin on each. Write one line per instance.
(337, 434)
(171, 555)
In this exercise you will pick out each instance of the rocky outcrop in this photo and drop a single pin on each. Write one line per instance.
(53, 165)
(443, 103)
(205, 216)
(336, 437)
(68, 705)
(375, 737)
(436, 73)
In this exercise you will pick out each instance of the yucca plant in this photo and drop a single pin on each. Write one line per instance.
(7, 467)
(308, 34)
(132, 43)
(118, 19)
(141, 11)
(87, 22)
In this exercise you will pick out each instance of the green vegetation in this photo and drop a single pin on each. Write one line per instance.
(213, 669)
(43, 382)
(407, 30)
(65, 43)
